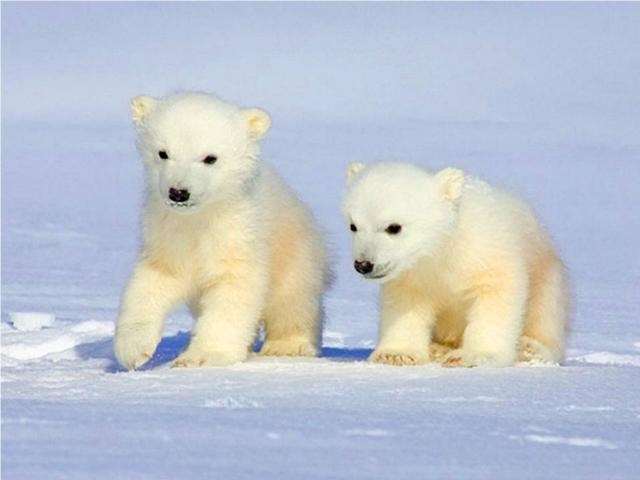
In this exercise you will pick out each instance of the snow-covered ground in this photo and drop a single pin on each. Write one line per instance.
(543, 99)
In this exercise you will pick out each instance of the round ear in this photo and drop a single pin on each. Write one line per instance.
(258, 122)
(450, 182)
(141, 107)
(353, 169)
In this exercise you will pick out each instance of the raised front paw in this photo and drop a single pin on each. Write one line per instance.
(133, 346)
(399, 357)
(466, 358)
(201, 357)
(289, 348)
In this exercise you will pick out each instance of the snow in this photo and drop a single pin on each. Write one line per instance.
(576, 441)
(543, 99)
(608, 358)
(54, 342)
(31, 321)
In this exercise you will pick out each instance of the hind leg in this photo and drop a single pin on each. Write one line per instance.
(544, 333)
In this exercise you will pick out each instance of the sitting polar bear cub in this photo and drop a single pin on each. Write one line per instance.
(223, 233)
(461, 264)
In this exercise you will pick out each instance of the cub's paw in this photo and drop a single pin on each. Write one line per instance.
(438, 352)
(198, 357)
(289, 348)
(465, 358)
(399, 358)
(455, 358)
(134, 346)
(532, 351)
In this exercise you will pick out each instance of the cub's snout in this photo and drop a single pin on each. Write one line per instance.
(363, 267)
(179, 195)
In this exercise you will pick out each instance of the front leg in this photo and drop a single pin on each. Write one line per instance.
(495, 322)
(407, 320)
(149, 296)
(229, 317)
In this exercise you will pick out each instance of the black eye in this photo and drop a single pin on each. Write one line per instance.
(210, 159)
(393, 229)
(163, 155)
(354, 228)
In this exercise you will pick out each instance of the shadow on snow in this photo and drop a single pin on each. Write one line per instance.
(170, 347)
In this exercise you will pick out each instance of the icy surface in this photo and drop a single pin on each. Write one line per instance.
(31, 321)
(543, 99)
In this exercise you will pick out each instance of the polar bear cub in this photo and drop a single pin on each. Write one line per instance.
(223, 233)
(468, 275)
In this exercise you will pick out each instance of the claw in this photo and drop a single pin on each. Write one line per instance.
(453, 362)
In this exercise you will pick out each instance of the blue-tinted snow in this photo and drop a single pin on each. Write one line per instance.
(543, 99)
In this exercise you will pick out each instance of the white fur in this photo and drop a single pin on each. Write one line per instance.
(243, 249)
(471, 270)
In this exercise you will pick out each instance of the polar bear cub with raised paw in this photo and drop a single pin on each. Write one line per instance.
(223, 233)
(468, 275)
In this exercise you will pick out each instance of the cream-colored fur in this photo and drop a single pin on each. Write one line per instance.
(242, 250)
(471, 279)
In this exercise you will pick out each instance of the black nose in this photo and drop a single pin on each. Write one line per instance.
(179, 196)
(363, 267)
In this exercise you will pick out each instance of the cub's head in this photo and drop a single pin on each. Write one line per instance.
(398, 213)
(197, 148)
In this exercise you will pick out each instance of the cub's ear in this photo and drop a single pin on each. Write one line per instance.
(258, 122)
(353, 169)
(450, 182)
(141, 107)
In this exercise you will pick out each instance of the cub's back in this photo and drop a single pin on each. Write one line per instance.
(497, 222)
